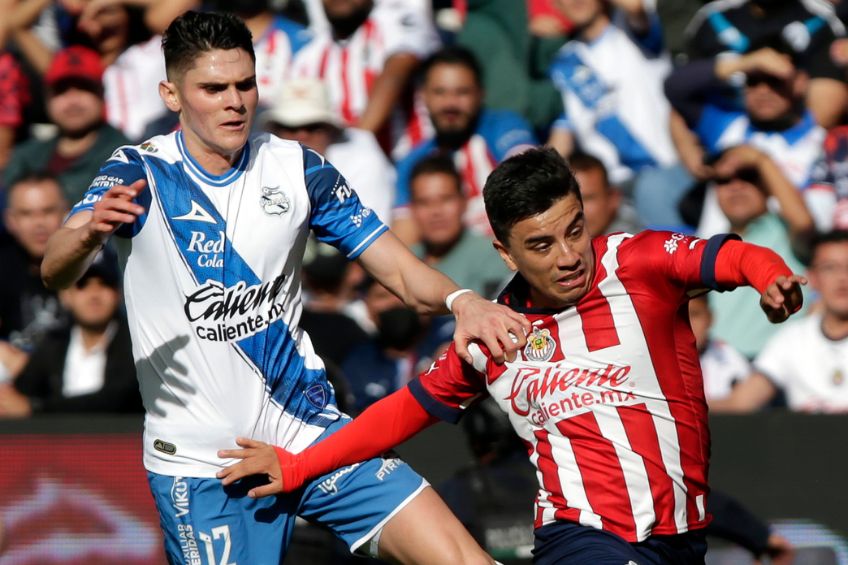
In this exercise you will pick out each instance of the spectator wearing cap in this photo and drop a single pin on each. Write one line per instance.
(303, 112)
(774, 118)
(84, 140)
(86, 366)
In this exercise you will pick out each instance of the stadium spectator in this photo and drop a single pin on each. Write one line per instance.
(476, 137)
(388, 360)
(606, 212)
(807, 359)
(807, 30)
(129, 55)
(326, 280)
(34, 211)
(722, 365)
(830, 179)
(14, 96)
(83, 367)
(367, 57)
(607, 395)
(774, 119)
(437, 206)
(75, 104)
(302, 112)
(610, 75)
(745, 179)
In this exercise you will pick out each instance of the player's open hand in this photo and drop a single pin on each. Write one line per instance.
(116, 207)
(783, 297)
(257, 458)
(493, 324)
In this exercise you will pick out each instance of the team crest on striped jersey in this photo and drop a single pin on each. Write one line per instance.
(540, 345)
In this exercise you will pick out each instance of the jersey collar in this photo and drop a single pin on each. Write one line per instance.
(224, 179)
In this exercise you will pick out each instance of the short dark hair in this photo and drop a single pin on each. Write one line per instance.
(585, 162)
(38, 177)
(453, 55)
(194, 33)
(437, 163)
(833, 236)
(525, 185)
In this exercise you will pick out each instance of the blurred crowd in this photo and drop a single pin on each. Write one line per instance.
(726, 116)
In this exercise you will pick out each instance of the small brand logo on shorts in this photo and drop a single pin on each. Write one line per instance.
(387, 467)
(179, 496)
(165, 447)
(328, 486)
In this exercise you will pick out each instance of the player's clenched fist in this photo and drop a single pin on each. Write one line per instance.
(116, 207)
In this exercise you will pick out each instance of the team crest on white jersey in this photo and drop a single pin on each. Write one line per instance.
(274, 201)
(540, 346)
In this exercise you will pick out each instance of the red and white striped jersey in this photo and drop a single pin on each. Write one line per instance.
(349, 68)
(607, 395)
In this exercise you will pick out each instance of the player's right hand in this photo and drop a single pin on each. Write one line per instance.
(114, 208)
(783, 297)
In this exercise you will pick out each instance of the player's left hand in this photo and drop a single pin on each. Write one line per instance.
(257, 458)
(783, 297)
(493, 324)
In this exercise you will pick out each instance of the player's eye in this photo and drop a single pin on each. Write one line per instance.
(214, 88)
(246, 85)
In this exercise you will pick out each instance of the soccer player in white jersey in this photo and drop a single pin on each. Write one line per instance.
(606, 395)
(211, 225)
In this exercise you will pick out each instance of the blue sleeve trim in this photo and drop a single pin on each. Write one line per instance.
(708, 260)
(434, 407)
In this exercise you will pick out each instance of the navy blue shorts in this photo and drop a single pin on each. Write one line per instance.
(566, 542)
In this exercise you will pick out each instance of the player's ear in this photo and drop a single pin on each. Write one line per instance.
(505, 255)
(168, 94)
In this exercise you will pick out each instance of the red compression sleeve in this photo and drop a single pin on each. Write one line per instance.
(383, 425)
(739, 263)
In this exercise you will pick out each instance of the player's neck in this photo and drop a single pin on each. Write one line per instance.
(595, 28)
(834, 327)
(211, 160)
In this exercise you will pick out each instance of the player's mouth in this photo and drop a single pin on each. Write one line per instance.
(234, 125)
(573, 280)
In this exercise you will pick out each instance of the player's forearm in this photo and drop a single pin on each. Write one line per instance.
(793, 209)
(382, 426)
(69, 253)
(739, 263)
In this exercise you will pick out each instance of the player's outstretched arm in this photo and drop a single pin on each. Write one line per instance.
(740, 263)
(73, 247)
(425, 289)
(382, 426)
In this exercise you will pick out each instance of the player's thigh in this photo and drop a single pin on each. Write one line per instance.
(204, 523)
(565, 542)
(426, 531)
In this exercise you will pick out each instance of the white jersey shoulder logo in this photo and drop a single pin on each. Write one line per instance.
(197, 214)
(273, 200)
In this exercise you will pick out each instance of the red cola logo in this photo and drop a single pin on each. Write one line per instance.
(532, 384)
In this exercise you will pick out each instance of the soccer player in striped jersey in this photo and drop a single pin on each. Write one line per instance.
(211, 225)
(607, 395)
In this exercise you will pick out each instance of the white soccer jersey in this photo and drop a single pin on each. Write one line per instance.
(350, 67)
(811, 368)
(612, 91)
(212, 286)
(131, 88)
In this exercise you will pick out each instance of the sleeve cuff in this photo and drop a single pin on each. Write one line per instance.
(431, 405)
(708, 260)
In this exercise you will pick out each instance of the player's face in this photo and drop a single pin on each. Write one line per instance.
(600, 202)
(829, 275)
(452, 97)
(553, 252)
(34, 213)
(94, 303)
(216, 99)
(437, 208)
